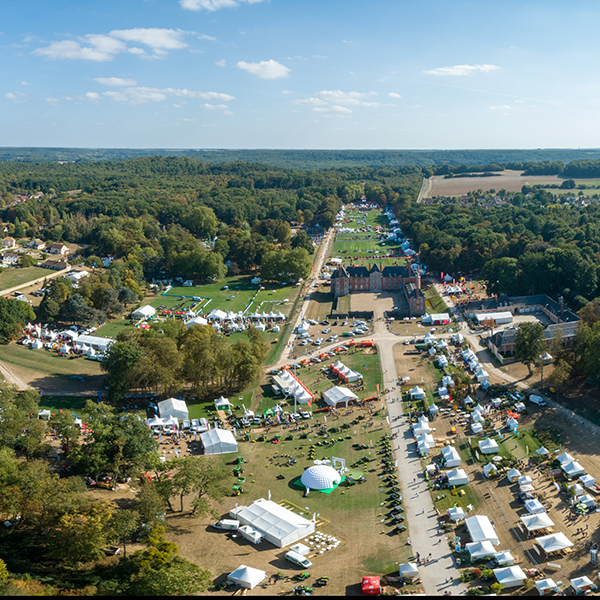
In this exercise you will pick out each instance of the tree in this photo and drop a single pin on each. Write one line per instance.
(302, 240)
(26, 261)
(119, 366)
(14, 315)
(121, 526)
(285, 265)
(160, 571)
(529, 343)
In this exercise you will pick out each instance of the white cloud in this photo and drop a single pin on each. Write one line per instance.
(221, 63)
(16, 97)
(347, 98)
(334, 108)
(100, 47)
(310, 102)
(503, 107)
(142, 95)
(115, 81)
(92, 96)
(462, 70)
(213, 5)
(394, 95)
(157, 39)
(25, 83)
(266, 69)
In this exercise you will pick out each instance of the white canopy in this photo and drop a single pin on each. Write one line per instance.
(279, 525)
(583, 583)
(451, 456)
(481, 529)
(554, 542)
(487, 469)
(534, 506)
(218, 441)
(197, 321)
(173, 407)
(447, 381)
(577, 489)
(216, 315)
(542, 451)
(36, 344)
(488, 446)
(564, 458)
(586, 500)
(247, 577)
(537, 522)
(513, 474)
(417, 392)
(345, 372)
(573, 469)
(504, 558)
(456, 513)
(337, 395)
(457, 477)
(476, 427)
(155, 422)
(526, 487)
(587, 480)
(544, 585)
(408, 570)
(300, 548)
(44, 414)
(480, 549)
(143, 312)
(65, 349)
(510, 576)
(524, 480)
(222, 403)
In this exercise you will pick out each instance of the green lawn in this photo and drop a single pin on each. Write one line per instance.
(49, 362)
(14, 277)
(435, 304)
(470, 496)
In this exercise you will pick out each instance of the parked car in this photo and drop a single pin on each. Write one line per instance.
(304, 414)
(185, 424)
(326, 330)
(195, 425)
(298, 559)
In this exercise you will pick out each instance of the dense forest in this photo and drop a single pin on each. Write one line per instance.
(311, 159)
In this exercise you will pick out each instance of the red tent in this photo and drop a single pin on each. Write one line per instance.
(371, 586)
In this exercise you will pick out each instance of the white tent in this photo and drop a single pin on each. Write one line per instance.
(278, 525)
(320, 477)
(526, 487)
(504, 558)
(417, 392)
(573, 469)
(476, 427)
(65, 349)
(488, 446)
(442, 361)
(197, 321)
(247, 577)
(339, 395)
(451, 456)
(408, 570)
(44, 414)
(582, 584)
(534, 507)
(300, 548)
(587, 501)
(155, 422)
(525, 479)
(577, 490)
(542, 451)
(216, 315)
(587, 480)
(173, 407)
(442, 391)
(37, 344)
(565, 458)
(457, 477)
(218, 441)
(512, 423)
(490, 469)
(347, 374)
(251, 534)
(481, 529)
(433, 410)
(456, 513)
(447, 381)
(480, 549)
(510, 576)
(513, 474)
(143, 312)
(468, 400)
(545, 586)
(421, 426)
(222, 403)
(537, 522)
(553, 542)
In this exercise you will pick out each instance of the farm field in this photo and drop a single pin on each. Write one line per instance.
(14, 277)
(511, 181)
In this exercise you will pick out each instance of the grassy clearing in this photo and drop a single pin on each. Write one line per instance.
(435, 304)
(447, 499)
(49, 362)
(73, 404)
(14, 277)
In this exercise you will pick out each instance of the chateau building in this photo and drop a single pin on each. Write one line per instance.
(346, 280)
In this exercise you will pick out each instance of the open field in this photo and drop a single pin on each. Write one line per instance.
(14, 277)
(511, 181)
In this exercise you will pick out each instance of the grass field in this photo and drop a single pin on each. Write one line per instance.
(435, 303)
(14, 277)
(49, 362)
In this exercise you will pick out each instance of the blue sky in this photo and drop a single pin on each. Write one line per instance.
(397, 74)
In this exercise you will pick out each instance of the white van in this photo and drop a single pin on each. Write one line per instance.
(298, 559)
(227, 524)
(537, 400)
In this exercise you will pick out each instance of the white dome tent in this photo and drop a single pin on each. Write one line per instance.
(173, 407)
(218, 441)
(247, 577)
(320, 477)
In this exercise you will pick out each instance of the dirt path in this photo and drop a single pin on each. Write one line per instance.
(10, 377)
